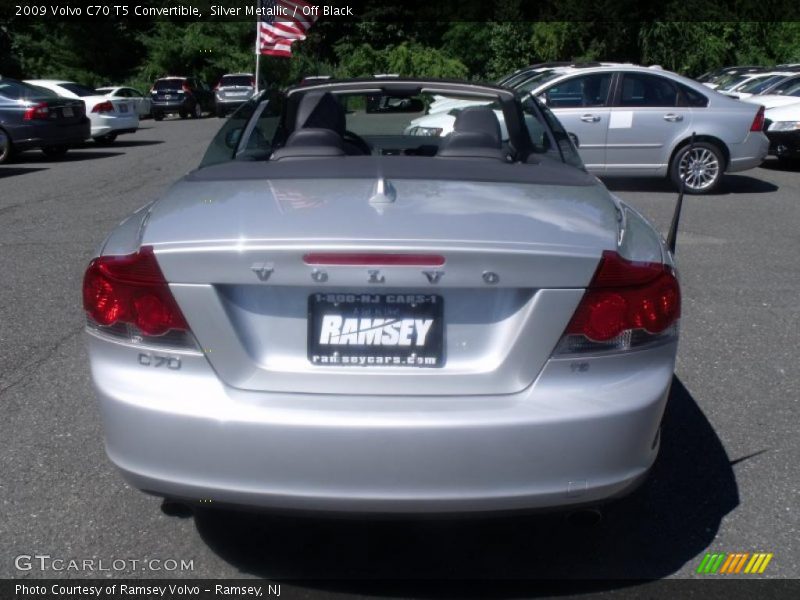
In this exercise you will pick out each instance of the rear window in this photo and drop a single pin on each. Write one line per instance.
(236, 80)
(693, 98)
(78, 89)
(168, 84)
(14, 90)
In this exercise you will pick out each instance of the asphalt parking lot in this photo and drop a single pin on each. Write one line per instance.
(727, 479)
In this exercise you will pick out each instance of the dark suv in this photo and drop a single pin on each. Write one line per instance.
(185, 96)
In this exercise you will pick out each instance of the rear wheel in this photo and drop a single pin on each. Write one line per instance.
(197, 113)
(55, 151)
(6, 150)
(701, 168)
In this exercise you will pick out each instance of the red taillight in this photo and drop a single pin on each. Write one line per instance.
(758, 121)
(185, 87)
(625, 295)
(373, 259)
(131, 289)
(37, 111)
(103, 107)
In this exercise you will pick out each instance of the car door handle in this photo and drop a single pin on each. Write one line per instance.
(672, 117)
(590, 118)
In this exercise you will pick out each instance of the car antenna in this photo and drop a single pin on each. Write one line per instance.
(672, 236)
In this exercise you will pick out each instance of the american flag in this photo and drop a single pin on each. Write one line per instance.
(281, 23)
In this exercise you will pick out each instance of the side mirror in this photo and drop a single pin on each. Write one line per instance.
(232, 138)
(574, 139)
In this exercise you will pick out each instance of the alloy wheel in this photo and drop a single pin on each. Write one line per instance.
(5, 146)
(699, 168)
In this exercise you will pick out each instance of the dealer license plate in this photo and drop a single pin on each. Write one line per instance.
(376, 330)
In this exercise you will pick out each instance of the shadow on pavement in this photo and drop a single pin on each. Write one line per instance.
(126, 143)
(74, 155)
(731, 184)
(9, 171)
(790, 166)
(667, 522)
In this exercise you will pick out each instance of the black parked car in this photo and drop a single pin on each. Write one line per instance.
(33, 117)
(184, 96)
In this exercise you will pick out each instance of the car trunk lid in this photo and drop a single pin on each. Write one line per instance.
(514, 261)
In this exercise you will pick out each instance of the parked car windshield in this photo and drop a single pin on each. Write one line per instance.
(793, 91)
(79, 90)
(16, 90)
(537, 80)
(236, 80)
(758, 85)
(787, 88)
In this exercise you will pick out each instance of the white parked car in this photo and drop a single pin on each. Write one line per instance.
(783, 95)
(753, 83)
(109, 117)
(783, 131)
(142, 104)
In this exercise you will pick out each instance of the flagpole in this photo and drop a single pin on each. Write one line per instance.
(258, 50)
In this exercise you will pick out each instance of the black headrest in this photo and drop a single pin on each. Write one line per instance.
(311, 142)
(320, 110)
(479, 119)
(476, 134)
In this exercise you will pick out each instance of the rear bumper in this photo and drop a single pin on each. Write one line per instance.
(230, 103)
(26, 137)
(748, 154)
(105, 124)
(784, 144)
(171, 106)
(568, 439)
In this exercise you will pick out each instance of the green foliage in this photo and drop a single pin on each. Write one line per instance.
(67, 50)
(203, 49)
(469, 43)
(390, 40)
(693, 47)
(406, 59)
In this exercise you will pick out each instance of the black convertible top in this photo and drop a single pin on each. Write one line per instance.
(539, 170)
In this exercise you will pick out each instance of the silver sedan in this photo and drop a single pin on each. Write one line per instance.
(633, 121)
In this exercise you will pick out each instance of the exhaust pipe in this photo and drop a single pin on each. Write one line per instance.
(585, 518)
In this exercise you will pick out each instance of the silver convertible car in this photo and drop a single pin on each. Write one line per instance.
(331, 315)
